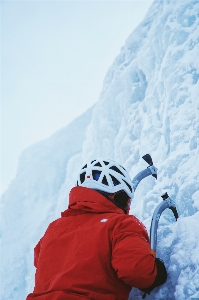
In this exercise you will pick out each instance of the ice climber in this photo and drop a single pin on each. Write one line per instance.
(96, 250)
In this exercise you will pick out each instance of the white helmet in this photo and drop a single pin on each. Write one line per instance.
(107, 176)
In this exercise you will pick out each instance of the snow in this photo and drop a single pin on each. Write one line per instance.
(148, 104)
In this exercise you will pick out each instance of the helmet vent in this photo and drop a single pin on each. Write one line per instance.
(82, 177)
(106, 162)
(98, 165)
(84, 167)
(104, 180)
(130, 188)
(123, 168)
(115, 181)
(93, 161)
(114, 168)
(96, 174)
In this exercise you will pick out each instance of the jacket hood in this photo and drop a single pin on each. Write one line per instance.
(88, 200)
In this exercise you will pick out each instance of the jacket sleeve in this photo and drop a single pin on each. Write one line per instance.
(131, 254)
(37, 248)
(36, 252)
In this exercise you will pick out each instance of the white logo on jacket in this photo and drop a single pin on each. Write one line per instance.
(104, 220)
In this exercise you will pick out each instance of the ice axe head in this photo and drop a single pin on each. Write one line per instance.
(148, 159)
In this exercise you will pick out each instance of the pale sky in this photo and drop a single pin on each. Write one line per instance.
(54, 57)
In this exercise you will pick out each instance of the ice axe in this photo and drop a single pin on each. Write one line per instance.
(150, 170)
(166, 203)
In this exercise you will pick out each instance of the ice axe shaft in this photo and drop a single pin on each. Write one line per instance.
(166, 203)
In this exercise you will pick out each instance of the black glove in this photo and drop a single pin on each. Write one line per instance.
(161, 277)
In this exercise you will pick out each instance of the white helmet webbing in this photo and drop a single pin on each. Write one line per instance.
(107, 176)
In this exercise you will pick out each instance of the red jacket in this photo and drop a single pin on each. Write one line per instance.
(94, 251)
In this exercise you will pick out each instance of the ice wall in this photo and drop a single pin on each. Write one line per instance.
(32, 201)
(150, 104)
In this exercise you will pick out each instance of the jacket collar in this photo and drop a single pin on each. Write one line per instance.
(88, 200)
